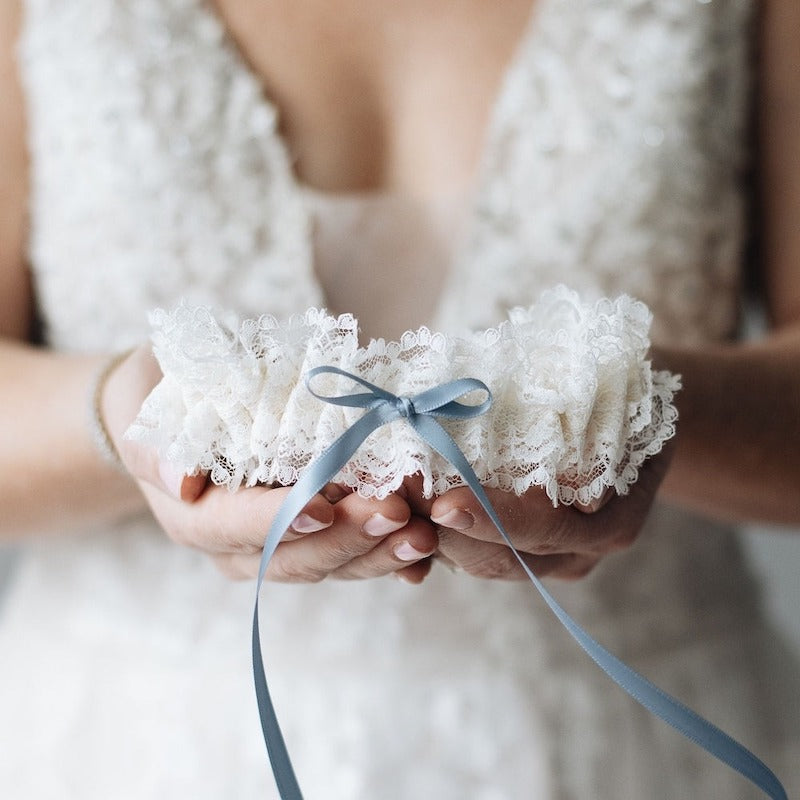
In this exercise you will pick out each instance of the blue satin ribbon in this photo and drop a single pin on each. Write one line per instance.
(383, 407)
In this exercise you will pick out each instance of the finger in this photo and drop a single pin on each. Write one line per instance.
(477, 558)
(334, 492)
(245, 566)
(375, 517)
(144, 464)
(531, 521)
(415, 573)
(125, 389)
(496, 561)
(536, 526)
(237, 566)
(594, 505)
(221, 521)
(181, 486)
(420, 505)
(413, 543)
(490, 564)
(317, 515)
(360, 525)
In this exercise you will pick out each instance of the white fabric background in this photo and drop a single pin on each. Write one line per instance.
(774, 551)
(776, 555)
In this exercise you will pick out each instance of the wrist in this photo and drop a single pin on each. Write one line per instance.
(98, 427)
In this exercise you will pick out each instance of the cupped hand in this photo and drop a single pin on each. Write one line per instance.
(564, 542)
(338, 533)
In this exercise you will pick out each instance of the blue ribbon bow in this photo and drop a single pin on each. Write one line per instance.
(420, 411)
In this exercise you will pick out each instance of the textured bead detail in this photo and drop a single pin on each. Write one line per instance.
(97, 425)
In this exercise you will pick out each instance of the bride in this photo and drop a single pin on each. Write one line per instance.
(415, 163)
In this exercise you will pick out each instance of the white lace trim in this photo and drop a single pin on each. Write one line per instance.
(577, 407)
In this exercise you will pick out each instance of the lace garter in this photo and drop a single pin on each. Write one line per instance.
(577, 407)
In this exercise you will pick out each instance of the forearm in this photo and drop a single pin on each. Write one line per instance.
(736, 454)
(53, 475)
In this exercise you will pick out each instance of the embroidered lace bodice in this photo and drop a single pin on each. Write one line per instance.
(606, 170)
(613, 164)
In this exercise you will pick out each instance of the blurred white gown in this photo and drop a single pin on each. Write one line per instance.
(614, 162)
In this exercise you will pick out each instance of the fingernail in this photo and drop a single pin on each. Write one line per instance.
(378, 525)
(333, 493)
(598, 502)
(459, 519)
(171, 477)
(305, 523)
(406, 552)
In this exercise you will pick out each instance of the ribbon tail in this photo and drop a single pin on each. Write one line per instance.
(313, 479)
(699, 730)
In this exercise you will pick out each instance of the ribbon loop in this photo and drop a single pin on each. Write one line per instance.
(420, 411)
(440, 401)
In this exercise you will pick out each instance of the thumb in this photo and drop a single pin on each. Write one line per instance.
(124, 392)
(180, 485)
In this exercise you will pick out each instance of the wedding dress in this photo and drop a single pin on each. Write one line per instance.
(614, 163)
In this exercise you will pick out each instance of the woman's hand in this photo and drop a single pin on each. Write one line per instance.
(349, 538)
(564, 542)
(337, 534)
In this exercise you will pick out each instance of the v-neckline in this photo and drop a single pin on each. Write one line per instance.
(231, 46)
(493, 130)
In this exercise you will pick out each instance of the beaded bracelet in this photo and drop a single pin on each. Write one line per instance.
(101, 437)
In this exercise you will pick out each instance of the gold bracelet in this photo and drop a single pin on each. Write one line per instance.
(97, 425)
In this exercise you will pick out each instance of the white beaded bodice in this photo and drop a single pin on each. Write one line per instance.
(614, 162)
(618, 168)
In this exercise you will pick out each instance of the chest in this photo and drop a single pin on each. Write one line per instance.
(389, 96)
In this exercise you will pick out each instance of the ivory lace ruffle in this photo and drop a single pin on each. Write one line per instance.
(577, 407)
